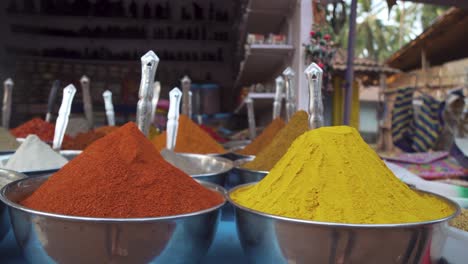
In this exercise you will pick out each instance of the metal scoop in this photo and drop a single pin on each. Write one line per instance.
(314, 76)
(107, 95)
(88, 105)
(51, 101)
(63, 115)
(278, 96)
(289, 74)
(149, 64)
(154, 101)
(173, 118)
(6, 108)
(186, 104)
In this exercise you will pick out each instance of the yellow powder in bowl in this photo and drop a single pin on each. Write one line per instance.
(272, 153)
(331, 175)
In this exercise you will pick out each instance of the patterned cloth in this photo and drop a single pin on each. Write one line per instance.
(402, 119)
(416, 158)
(443, 168)
(427, 125)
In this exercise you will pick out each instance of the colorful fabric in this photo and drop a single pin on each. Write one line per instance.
(427, 125)
(416, 158)
(444, 168)
(402, 119)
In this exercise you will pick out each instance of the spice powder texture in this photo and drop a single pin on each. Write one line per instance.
(190, 139)
(271, 154)
(330, 174)
(121, 175)
(264, 139)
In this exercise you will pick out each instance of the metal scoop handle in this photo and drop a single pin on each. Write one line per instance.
(314, 75)
(63, 115)
(6, 107)
(173, 118)
(289, 74)
(278, 96)
(87, 103)
(149, 64)
(154, 101)
(251, 117)
(186, 105)
(51, 100)
(109, 106)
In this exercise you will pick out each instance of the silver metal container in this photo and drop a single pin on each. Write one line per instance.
(6, 177)
(242, 175)
(53, 238)
(210, 169)
(274, 239)
(70, 154)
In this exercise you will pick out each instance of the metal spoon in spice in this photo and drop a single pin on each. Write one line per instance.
(63, 115)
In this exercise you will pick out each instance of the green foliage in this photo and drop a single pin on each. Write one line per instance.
(376, 37)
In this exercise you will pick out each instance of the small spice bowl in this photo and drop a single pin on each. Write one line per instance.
(267, 238)
(6, 177)
(201, 167)
(242, 175)
(46, 237)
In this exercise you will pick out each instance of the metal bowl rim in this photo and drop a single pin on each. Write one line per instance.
(344, 225)
(212, 186)
(227, 162)
(237, 166)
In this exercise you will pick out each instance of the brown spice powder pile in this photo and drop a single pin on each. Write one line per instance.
(264, 138)
(271, 154)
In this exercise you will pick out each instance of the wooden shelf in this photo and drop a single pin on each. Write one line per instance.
(262, 62)
(55, 20)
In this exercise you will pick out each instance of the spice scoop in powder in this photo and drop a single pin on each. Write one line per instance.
(34, 155)
(330, 174)
(121, 175)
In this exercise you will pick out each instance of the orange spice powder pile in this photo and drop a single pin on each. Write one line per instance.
(190, 139)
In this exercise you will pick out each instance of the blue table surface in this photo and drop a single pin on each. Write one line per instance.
(226, 247)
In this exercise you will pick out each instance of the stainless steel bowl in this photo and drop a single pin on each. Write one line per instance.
(203, 167)
(274, 239)
(6, 177)
(236, 144)
(242, 175)
(70, 154)
(48, 238)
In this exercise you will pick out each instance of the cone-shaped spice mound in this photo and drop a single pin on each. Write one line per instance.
(121, 175)
(264, 139)
(190, 139)
(271, 154)
(44, 130)
(330, 174)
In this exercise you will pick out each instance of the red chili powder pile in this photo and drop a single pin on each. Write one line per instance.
(44, 130)
(121, 175)
(190, 139)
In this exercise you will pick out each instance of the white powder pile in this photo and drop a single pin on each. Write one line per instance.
(35, 155)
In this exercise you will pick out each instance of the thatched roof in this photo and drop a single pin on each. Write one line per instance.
(445, 40)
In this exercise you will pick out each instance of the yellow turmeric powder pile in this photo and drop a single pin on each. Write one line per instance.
(264, 138)
(330, 174)
(272, 153)
(190, 139)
